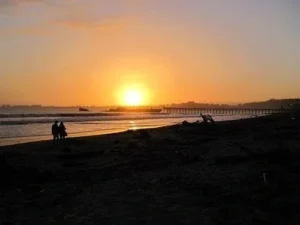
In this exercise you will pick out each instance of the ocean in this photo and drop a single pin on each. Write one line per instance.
(30, 125)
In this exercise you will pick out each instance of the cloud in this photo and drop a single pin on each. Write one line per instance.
(17, 2)
(10, 3)
(25, 31)
(107, 25)
(82, 16)
(116, 23)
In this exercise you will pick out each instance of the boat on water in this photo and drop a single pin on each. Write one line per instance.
(83, 110)
(138, 110)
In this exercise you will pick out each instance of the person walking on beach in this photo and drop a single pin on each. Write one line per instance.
(62, 133)
(55, 132)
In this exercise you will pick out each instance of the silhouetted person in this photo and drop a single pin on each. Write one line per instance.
(55, 132)
(62, 133)
(205, 120)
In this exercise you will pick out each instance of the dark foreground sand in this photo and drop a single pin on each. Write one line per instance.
(189, 174)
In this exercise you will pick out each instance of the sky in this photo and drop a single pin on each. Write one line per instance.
(91, 52)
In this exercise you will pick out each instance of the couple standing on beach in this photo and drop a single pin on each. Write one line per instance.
(59, 133)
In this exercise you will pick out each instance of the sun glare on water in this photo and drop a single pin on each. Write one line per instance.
(133, 98)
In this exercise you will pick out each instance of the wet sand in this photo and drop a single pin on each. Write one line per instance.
(237, 172)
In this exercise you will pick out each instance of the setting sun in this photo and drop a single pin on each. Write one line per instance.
(133, 98)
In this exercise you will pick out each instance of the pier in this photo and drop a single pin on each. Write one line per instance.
(221, 111)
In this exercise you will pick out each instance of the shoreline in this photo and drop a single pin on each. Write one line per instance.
(9, 141)
(72, 136)
(236, 172)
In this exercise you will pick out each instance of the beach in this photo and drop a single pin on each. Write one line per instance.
(17, 129)
(234, 172)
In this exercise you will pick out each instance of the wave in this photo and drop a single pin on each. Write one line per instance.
(91, 118)
(75, 132)
(34, 115)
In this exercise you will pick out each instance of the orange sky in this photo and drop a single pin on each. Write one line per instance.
(88, 52)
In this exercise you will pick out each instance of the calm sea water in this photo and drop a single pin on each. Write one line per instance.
(28, 126)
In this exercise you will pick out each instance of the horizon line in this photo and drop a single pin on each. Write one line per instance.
(158, 105)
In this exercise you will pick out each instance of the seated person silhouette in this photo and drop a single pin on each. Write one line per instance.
(204, 118)
(207, 119)
(55, 132)
(210, 119)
